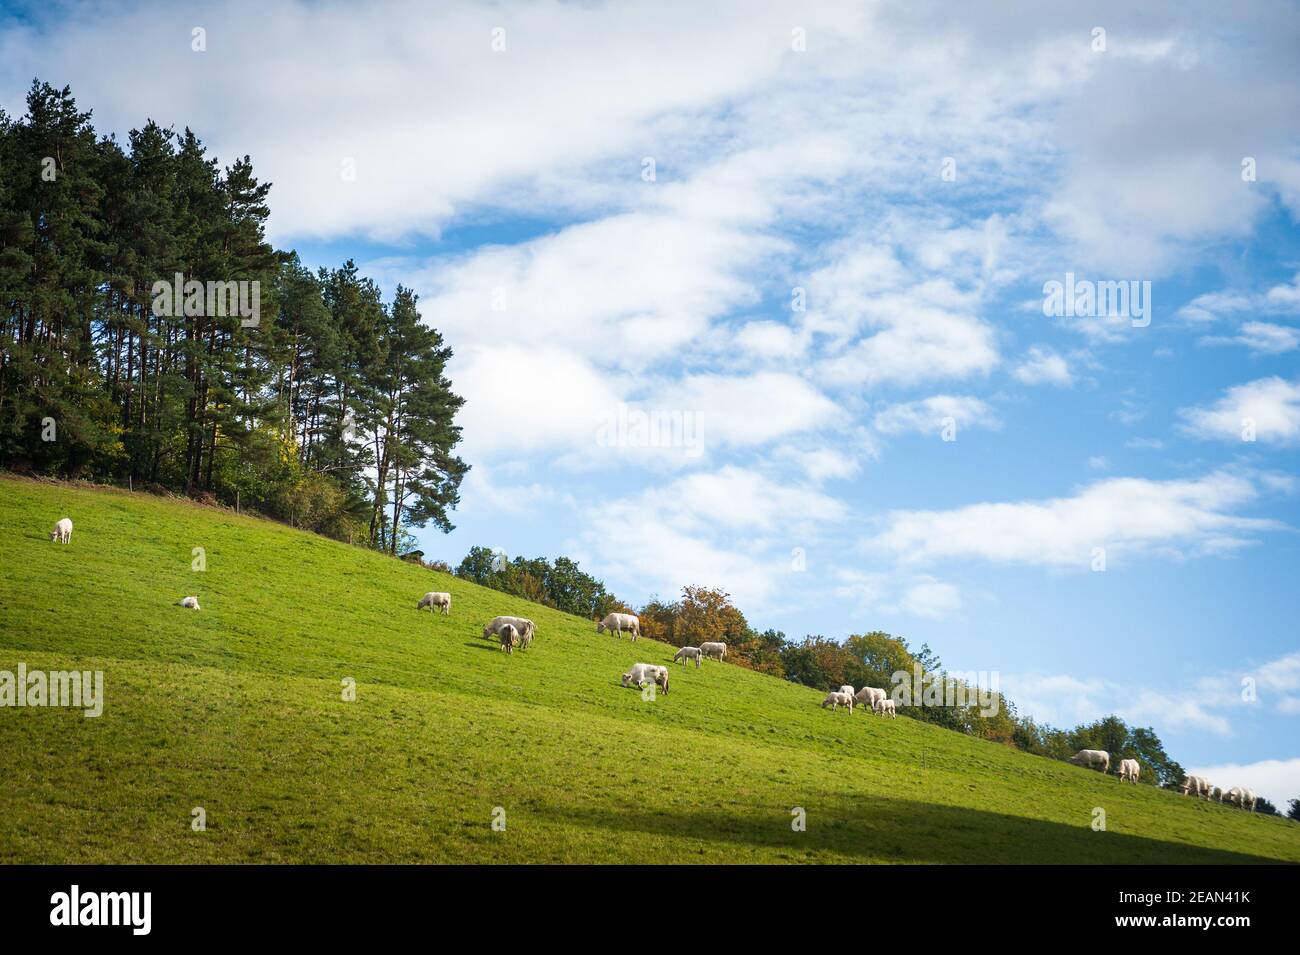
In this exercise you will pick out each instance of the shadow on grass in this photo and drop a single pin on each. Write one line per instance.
(875, 829)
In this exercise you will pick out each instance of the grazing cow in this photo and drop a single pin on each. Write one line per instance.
(62, 531)
(435, 600)
(618, 622)
(525, 627)
(1129, 769)
(715, 648)
(191, 603)
(847, 689)
(1197, 786)
(868, 695)
(643, 673)
(509, 637)
(1092, 759)
(1241, 797)
(886, 706)
(835, 699)
(688, 653)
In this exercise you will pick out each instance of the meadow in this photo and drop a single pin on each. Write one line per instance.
(239, 710)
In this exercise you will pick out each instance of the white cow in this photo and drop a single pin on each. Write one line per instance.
(618, 622)
(435, 600)
(886, 706)
(643, 673)
(1241, 797)
(835, 699)
(1197, 786)
(688, 653)
(191, 603)
(847, 689)
(1092, 759)
(62, 531)
(1129, 769)
(527, 629)
(868, 695)
(509, 637)
(714, 648)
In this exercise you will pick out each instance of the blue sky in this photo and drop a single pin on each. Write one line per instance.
(509, 187)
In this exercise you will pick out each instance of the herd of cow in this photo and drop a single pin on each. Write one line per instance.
(512, 632)
(1197, 785)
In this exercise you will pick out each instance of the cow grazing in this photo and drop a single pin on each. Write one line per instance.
(190, 603)
(435, 601)
(688, 653)
(509, 637)
(62, 531)
(526, 629)
(1197, 786)
(1129, 770)
(1092, 759)
(714, 648)
(642, 674)
(868, 695)
(618, 622)
(835, 699)
(886, 706)
(1241, 797)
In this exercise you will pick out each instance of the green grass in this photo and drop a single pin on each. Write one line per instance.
(238, 709)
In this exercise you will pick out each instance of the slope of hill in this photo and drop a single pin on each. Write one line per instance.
(238, 709)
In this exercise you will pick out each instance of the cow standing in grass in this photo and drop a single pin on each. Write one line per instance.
(1092, 759)
(509, 638)
(435, 601)
(835, 699)
(688, 653)
(527, 629)
(642, 674)
(618, 622)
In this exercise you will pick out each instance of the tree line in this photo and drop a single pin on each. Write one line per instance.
(150, 335)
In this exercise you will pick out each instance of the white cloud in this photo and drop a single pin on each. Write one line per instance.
(1121, 515)
(627, 290)
(1173, 711)
(1262, 338)
(1044, 366)
(1285, 296)
(931, 599)
(1059, 700)
(1144, 444)
(521, 400)
(928, 415)
(1270, 405)
(732, 528)
(898, 594)
(746, 410)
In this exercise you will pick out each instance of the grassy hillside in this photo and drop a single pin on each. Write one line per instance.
(238, 709)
